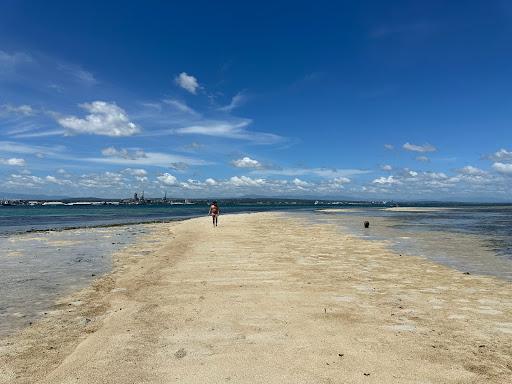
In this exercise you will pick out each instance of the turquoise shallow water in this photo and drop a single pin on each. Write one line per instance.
(16, 219)
(38, 267)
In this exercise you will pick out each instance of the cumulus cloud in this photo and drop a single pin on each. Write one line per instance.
(386, 167)
(246, 162)
(135, 172)
(187, 82)
(419, 148)
(124, 153)
(341, 180)
(386, 180)
(103, 119)
(423, 159)
(211, 182)
(14, 161)
(504, 168)
(179, 166)
(55, 180)
(167, 179)
(245, 181)
(470, 170)
(300, 183)
(389, 147)
(102, 180)
(138, 173)
(501, 155)
(24, 181)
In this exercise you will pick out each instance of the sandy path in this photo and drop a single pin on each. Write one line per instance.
(262, 299)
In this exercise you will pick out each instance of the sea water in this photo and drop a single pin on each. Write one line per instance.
(474, 239)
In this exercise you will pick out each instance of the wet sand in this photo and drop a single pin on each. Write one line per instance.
(265, 299)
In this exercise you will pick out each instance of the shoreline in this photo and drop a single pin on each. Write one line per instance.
(220, 302)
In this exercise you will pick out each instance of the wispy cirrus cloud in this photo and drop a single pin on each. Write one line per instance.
(21, 148)
(9, 61)
(156, 159)
(419, 148)
(180, 106)
(13, 161)
(78, 73)
(318, 172)
(229, 129)
(236, 102)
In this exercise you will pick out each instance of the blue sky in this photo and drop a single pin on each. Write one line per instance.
(369, 99)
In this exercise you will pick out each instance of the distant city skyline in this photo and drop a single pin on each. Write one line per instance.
(371, 100)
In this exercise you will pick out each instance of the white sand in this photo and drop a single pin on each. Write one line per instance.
(264, 299)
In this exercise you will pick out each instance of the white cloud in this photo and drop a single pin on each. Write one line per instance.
(14, 147)
(104, 119)
(156, 159)
(24, 109)
(78, 74)
(187, 82)
(386, 180)
(14, 161)
(319, 172)
(24, 181)
(419, 148)
(167, 179)
(423, 159)
(386, 167)
(31, 135)
(55, 180)
(470, 170)
(179, 166)
(104, 180)
(341, 180)
(389, 147)
(300, 183)
(504, 168)
(230, 130)
(136, 172)
(246, 162)
(124, 153)
(211, 182)
(244, 181)
(180, 106)
(501, 155)
(236, 101)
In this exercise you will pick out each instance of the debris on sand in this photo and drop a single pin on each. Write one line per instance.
(180, 353)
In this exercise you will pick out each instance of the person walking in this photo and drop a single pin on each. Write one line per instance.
(214, 212)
